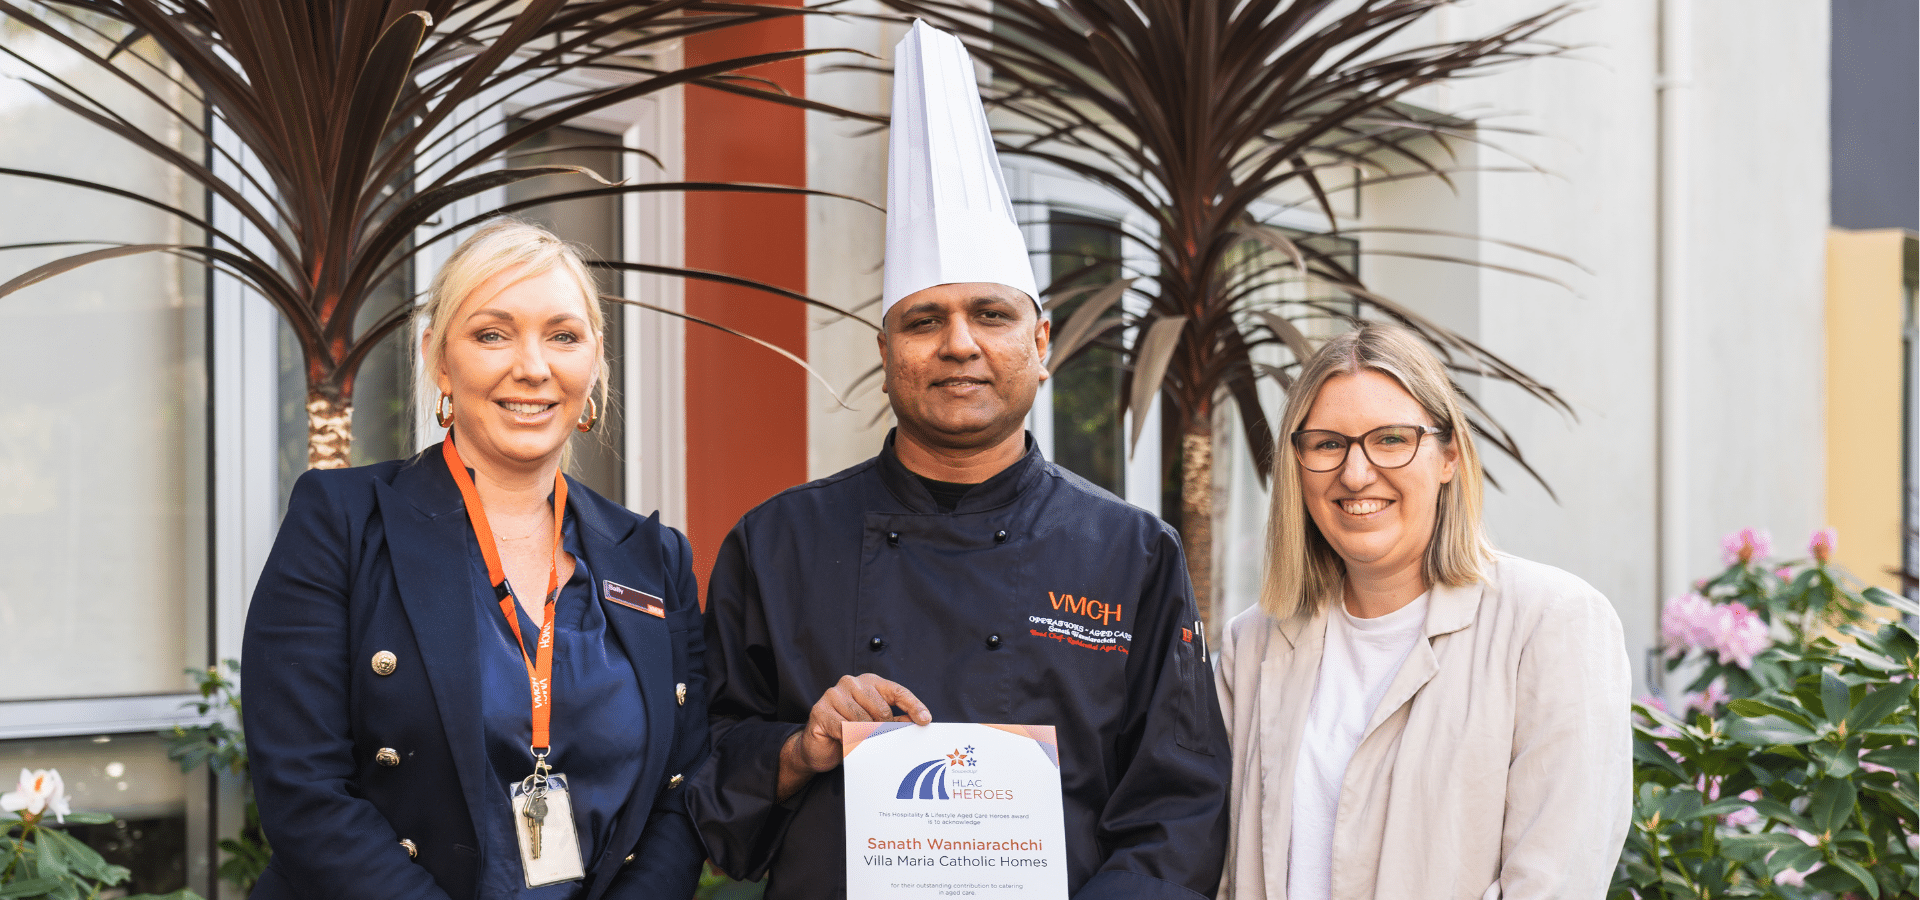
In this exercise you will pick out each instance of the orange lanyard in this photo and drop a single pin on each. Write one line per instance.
(539, 667)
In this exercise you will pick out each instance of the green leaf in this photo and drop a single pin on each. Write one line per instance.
(1800, 858)
(1899, 759)
(1860, 874)
(1722, 807)
(29, 887)
(87, 818)
(1853, 836)
(1834, 700)
(77, 857)
(1837, 762)
(1878, 705)
(1882, 597)
(1755, 847)
(52, 861)
(1756, 707)
(1832, 803)
(1765, 731)
(1647, 754)
(1770, 672)
(1681, 804)
(1780, 812)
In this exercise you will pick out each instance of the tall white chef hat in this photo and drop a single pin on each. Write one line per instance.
(948, 216)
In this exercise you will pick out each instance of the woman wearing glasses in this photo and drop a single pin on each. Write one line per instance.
(1413, 715)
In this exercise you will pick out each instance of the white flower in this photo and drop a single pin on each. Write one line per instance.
(39, 791)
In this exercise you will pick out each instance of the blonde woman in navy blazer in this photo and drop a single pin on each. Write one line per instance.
(387, 707)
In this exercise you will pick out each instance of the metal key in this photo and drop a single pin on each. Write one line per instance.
(536, 813)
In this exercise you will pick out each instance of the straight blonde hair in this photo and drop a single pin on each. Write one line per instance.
(501, 245)
(1303, 573)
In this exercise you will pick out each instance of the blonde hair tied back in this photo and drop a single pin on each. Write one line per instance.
(501, 245)
(1303, 573)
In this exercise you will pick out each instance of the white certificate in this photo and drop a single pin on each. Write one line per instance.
(953, 810)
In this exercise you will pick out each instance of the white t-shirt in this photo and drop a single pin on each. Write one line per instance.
(1362, 656)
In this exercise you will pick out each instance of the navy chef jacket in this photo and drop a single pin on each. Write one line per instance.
(1040, 600)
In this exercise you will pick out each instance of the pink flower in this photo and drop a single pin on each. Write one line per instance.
(1745, 815)
(1740, 634)
(1686, 623)
(1732, 631)
(1745, 546)
(1784, 573)
(1822, 543)
(1710, 699)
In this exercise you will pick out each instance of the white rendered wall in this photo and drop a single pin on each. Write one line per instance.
(1755, 207)
(846, 241)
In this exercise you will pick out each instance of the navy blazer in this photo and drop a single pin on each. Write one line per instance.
(374, 560)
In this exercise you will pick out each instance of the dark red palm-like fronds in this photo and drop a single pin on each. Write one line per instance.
(347, 111)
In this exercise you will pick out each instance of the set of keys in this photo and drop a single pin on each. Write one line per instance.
(542, 804)
(536, 811)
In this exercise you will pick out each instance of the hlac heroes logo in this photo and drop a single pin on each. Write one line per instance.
(928, 780)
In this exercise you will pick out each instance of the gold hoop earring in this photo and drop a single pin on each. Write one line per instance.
(592, 416)
(443, 410)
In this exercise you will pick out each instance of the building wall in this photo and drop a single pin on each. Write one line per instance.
(1741, 223)
(746, 420)
(846, 157)
(1866, 313)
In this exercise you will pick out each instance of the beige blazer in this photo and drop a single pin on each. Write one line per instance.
(1499, 763)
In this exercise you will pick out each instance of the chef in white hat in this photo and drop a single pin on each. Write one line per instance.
(959, 575)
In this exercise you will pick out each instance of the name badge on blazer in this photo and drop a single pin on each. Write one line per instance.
(637, 599)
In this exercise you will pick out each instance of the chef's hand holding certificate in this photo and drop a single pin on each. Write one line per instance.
(953, 810)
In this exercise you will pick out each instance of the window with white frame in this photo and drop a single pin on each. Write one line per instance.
(1241, 495)
(104, 489)
(596, 225)
(634, 141)
(1074, 228)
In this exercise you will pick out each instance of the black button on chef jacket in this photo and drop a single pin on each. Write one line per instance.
(1040, 599)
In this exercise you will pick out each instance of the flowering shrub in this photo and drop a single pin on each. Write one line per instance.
(1787, 769)
(42, 860)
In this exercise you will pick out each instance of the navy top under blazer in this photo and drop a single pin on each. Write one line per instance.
(599, 721)
(374, 560)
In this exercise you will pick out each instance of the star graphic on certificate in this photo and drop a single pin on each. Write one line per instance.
(956, 758)
(969, 751)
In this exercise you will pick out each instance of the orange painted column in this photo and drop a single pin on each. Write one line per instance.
(746, 407)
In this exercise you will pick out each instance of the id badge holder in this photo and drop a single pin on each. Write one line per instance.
(558, 858)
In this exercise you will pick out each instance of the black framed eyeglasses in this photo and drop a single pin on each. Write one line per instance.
(1386, 447)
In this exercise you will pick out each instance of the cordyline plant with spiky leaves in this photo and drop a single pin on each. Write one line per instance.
(1197, 113)
(347, 111)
